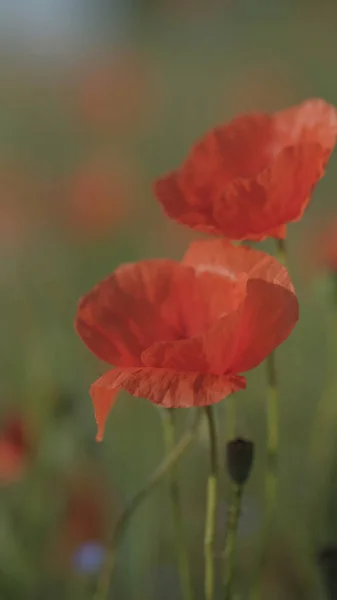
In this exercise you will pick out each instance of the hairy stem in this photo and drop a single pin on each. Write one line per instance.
(211, 506)
(182, 554)
(272, 425)
(231, 539)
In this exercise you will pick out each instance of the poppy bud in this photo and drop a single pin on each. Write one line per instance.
(327, 560)
(239, 459)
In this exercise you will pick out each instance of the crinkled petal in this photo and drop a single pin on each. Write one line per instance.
(240, 148)
(173, 389)
(210, 352)
(176, 205)
(221, 257)
(251, 208)
(269, 315)
(311, 121)
(104, 394)
(183, 355)
(133, 308)
(210, 299)
(248, 178)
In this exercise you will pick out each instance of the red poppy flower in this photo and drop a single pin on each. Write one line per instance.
(14, 449)
(249, 178)
(180, 334)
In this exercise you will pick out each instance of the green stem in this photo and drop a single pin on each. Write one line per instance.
(231, 538)
(183, 562)
(230, 418)
(164, 467)
(281, 251)
(272, 425)
(272, 439)
(211, 506)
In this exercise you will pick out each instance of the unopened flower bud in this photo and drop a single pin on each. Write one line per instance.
(240, 455)
(327, 560)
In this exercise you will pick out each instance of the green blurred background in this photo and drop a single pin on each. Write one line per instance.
(97, 98)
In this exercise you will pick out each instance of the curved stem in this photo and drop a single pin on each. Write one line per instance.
(231, 538)
(211, 506)
(183, 562)
(157, 476)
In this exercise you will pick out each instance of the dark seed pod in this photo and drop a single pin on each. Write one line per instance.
(327, 561)
(240, 455)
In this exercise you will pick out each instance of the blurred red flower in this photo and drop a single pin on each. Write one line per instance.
(85, 521)
(98, 197)
(114, 91)
(15, 448)
(180, 333)
(325, 248)
(249, 178)
(20, 213)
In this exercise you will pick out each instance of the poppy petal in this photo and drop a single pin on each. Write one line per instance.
(250, 177)
(104, 395)
(132, 309)
(269, 314)
(312, 121)
(173, 389)
(176, 206)
(183, 355)
(236, 149)
(240, 148)
(221, 257)
(210, 352)
(250, 208)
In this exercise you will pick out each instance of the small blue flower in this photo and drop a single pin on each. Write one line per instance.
(89, 557)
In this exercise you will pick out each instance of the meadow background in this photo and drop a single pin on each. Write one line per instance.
(97, 98)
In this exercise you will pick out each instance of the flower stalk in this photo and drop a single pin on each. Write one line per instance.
(169, 425)
(272, 425)
(231, 538)
(211, 506)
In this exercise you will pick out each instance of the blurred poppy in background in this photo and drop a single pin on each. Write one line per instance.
(180, 333)
(16, 446)
(326, 246)
(115, 91)
(317, 249)
(85, 523)
(20, 214)
(98, 197)
(248, 178)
